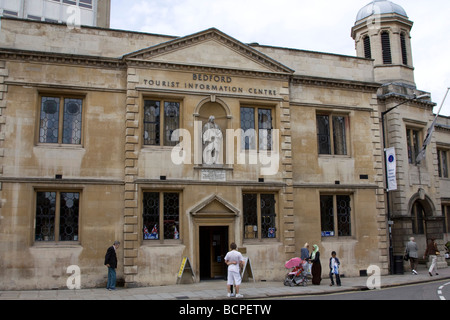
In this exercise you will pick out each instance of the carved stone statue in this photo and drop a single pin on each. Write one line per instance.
(212, 142)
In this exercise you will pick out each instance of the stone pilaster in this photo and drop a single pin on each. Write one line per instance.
(286, 167)
(378, 155)
(3, 91)
(130, 228)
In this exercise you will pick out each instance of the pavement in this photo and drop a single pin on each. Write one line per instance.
(216, 289)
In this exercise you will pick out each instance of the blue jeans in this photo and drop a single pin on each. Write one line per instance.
(111, 278)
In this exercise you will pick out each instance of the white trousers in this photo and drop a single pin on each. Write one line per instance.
(433, 264)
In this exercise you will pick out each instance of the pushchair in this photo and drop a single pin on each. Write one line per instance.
(297, 276)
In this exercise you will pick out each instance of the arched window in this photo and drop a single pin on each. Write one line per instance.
(386, 47)
(403, 45)
(367, 48)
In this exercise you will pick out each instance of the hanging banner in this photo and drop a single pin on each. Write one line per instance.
(391, 169)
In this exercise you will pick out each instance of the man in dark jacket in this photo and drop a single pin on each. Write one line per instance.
(111, 263)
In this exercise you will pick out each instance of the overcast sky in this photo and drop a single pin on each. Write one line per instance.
(319, 25)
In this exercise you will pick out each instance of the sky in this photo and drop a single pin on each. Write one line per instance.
(319, 25)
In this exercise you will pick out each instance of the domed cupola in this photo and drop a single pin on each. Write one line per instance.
(382, 33)
(380, 7)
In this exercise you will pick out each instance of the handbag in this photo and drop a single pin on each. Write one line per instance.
(406, 256)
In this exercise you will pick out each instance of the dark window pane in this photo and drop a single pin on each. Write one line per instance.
(248, 141)
(327, 215)
(69, 212)
(171, 215)
(45, 216)
(250, 215)
(152, 123)
(268, 216)
(323, 134)
(49, 121)
(151, 215)
(72, 121)
(343, 216)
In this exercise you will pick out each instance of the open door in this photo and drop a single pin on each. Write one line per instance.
(213, 248)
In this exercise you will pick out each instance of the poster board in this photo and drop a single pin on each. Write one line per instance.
(247, 270)
(185, 274)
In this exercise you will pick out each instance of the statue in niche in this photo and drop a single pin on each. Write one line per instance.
(212, 142)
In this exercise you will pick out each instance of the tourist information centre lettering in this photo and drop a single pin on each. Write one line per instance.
(210, 83)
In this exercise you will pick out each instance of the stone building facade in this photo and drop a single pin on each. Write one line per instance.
(178, 146)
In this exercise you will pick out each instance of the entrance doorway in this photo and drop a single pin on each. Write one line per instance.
(213, 248)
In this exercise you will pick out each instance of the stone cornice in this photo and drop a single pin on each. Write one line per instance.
(61, 58)
(335, 83)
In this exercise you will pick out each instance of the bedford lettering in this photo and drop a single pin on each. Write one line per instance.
(211, 78)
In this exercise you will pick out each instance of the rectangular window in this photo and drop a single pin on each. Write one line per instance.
(57, 216)
(60, 120)
(161, 119)
(161, 209)
(332, 134)
(259, 215)
(413, 144)
(446, 215)
(443, 163)
(335, 215)
(257, 124)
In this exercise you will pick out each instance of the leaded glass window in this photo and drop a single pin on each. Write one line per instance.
(68, 220)
(151, 123)
(257, 125)
(259, 215)
(72, 121)
(335, 215)
(248, 126)
(161, 210)
(268, 216)
(60, 120)
(57, 216)
(327, 215)
(250, 215)
(332, 134)
(171, 215)
(161, 120)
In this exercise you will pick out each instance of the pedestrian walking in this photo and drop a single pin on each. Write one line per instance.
(432, 252)
(316, 269)
(334, 269)
(412, 252)
(304, 255)
(234, 261)
(111, 263)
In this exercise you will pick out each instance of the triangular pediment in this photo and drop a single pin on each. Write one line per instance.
(210, 48)
(214, 206)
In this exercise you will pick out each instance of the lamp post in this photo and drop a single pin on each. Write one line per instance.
(390, 223)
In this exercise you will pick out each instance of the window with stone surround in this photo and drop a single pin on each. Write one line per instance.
(335, 215)
(446, 215)
(60, 120)
(259, 213)
(257, 124)
(57, 216)
(161, 119)
(413, 139)
(332, 133)
(161, 216)
(443, 163)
